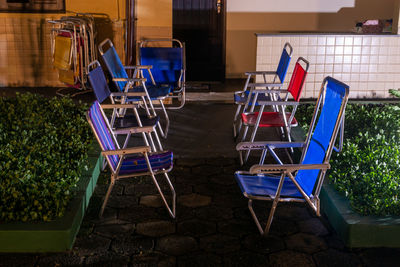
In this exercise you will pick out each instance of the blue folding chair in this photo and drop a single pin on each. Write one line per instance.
(126, 84)
(129, 162)
(250, 97)
(168, 71)
(120, 121)
(298, 182)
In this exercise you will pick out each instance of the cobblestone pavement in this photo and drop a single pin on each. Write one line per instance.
(213, 225)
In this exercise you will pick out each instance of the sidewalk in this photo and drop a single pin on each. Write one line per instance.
(213, 225)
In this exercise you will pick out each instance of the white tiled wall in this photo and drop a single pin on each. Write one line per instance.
(369, 64)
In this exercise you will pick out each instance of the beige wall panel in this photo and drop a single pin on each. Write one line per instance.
(154, 13)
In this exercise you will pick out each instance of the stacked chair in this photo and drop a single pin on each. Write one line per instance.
(73, 48)
(299, 182)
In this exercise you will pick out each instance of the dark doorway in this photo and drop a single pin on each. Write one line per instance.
(201, 25)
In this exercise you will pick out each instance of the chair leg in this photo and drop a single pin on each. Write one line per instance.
(170, 211)
(255, 128)
(253, 214)
(110, 187)
(166, 119)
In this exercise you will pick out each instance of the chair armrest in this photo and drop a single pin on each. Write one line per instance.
(264, 145)
(128, 94)
(260, 73)
(275, 91)
(129, 79)
(253, 85)
(278, 103)
(139, 67)
(287, 167)
(112, 106)
(133, 130)
(126, 151)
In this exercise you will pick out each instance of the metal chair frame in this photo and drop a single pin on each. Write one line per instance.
(251, 97)
(130, 83)
(122, 153)
(288, 170)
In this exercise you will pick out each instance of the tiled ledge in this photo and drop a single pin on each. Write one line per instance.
(369, 64)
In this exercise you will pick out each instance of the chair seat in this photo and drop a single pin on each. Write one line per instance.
(155, 91)
(129, 121)
(268, 119)
(263, 185)
(137, 164)
(241, 100)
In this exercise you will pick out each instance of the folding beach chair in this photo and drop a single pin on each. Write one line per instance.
(168, 67)
(126, 84)
(72, 47)
(278, 118)
(117, 121)
(298, 182)
(247, 97)
(132, 161)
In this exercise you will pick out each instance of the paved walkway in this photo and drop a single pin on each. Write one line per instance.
(213, 225)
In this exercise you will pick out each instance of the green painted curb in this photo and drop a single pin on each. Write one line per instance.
(354, 229)
(57, 235)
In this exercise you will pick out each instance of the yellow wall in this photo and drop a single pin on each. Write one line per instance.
(25, 37)
(241, 28)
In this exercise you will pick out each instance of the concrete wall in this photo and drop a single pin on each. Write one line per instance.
(241, 26)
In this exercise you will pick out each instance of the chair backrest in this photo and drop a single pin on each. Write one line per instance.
(320, 139)
(102, 131)
(284, 62)
(298, 78)
(113, 63)
(98, 81)
(167, 64)
(167, 61)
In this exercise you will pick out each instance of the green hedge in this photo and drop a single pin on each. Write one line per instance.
(44, 144)
(367, 171)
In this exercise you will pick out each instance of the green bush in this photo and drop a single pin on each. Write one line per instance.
(44, 144)
(367, 171)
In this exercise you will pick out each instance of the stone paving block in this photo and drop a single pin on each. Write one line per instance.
(110, 259)
(207, 170)
(212, 189)
(192, 179)
(58, 259)
(140, 189)
(305, 242)
(154, 201)
(288, 258)
(14, 260)
(290, 211)
(222, 161)
(333, 241)
(196, 228)
(120, 202)
(200, 260)
(189, 162)
(245, 258)
(140, 214)
(194, 200)
(223, 179)
(235, 227)
(263, 244)
(313, 226)
(133, 244)
(214, 213)
(333, 258)
(230, 201)
(101, 189)
(219, 244)
(377, 257)
(117, 229)
(155, 228)
(153, 259)
(93, 244)
(176, 245)
(283, 227)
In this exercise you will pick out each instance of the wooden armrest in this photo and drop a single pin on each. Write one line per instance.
(126, 151)
(287, 167)
(264, 145)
